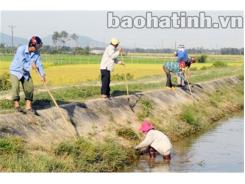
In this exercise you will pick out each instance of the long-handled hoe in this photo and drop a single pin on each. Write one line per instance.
(58, 108)
(189, 87)
(126, 84)
(125, 77)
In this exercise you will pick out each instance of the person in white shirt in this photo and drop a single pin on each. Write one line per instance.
(108, 61)
(155, 141)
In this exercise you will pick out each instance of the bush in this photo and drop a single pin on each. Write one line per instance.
(219, 64)
(4, 82)
(114, 157)
(11, 146)
(188, 116)
(241, 77)
(202, 59)
(64, 148)
(127, 133)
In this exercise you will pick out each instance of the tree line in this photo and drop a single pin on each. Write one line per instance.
(60, 40)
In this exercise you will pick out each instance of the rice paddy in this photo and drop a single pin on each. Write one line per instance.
(67, 69)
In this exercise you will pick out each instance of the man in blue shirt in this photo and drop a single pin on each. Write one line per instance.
(27, 57)
(181, 53)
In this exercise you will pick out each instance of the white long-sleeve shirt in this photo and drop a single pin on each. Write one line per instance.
(109, 58)
(158, 140)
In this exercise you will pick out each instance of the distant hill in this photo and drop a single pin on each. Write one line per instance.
(7, 40)
(84, 41)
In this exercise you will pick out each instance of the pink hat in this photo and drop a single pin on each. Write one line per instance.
(146, 126)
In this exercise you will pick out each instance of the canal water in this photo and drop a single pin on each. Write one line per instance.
(218, 150)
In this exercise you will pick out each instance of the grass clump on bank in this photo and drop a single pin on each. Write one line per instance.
(87, 157)
(11, 145)
(198, 116)
(6, 104)
(79, 156)
(5, 82)
(201, 116)
(188, 115)
(127, 133)
(147, 107)
(15, 156)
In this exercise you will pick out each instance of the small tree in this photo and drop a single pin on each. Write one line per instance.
(2, 45)
(64, 37)
(202, 59)
(86, 50)
(55, 38)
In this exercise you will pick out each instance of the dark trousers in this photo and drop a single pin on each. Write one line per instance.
(168, 75)
(105, 80)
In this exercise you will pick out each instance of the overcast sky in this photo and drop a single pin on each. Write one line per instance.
(94, 25)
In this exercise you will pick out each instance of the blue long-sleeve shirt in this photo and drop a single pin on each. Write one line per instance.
(21, 64)
(182, 55)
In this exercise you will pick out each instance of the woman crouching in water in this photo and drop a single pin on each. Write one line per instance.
(154, 142)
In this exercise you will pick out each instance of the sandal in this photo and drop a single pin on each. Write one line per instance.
(19, 109)
(32, 111)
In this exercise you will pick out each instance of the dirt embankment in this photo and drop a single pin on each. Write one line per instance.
(98, 118)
